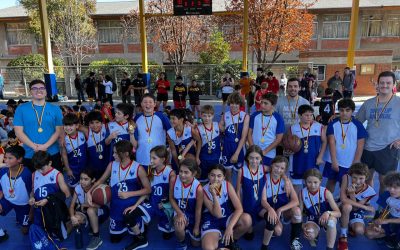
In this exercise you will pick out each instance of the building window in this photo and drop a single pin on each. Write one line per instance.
(393, 25)
(17, 34)
(371, 26)
(109, 31)
(336, 26)
(231, 31)
(133, 35)
(367, 69)
(319, 71)
(315, 30)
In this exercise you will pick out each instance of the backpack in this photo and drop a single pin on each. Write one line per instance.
(40, 240)
(114, 86)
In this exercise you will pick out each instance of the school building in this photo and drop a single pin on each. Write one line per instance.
(377, 42)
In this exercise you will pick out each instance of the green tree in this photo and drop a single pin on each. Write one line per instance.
(217, 51)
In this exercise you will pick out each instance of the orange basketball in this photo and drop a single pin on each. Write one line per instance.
(291, 142)
(101, 195)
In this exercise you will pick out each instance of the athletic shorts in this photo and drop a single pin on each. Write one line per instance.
(190, 226)
(332, 174)
(180, 104)
(382, 161)
(118, 225)
(21, 211)
(254, 212)
(103, 213)
(212, 224)
(162, 97)
(357, 216)
(152, 212)
(194, 102)
(227, 152)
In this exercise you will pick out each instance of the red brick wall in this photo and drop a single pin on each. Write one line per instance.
(334, 44)
(20, 50)
(375, 40)
(111, 48)
(136, 48)
(312, 45)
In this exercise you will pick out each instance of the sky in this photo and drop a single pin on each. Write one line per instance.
(9, 3)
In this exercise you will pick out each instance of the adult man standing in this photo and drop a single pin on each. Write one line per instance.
(273, 83)
(348, 83)
(260, 78)
(90, 83)
(335, 83)
(126, 88)
(79, 88)
(38, 126)
(381, 150)
(287, 106)
(139, 88)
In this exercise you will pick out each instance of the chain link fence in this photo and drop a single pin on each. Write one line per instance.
(208, 76)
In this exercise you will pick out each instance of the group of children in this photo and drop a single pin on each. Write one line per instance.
(189, 185)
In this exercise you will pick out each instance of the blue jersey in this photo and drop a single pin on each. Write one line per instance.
(346, 145)
(185, 196)
(367, 192)
(123, 179)
(211, 142)
(123, 134)
(81, 198)
(265, 129)
(18, 189)
(305, 158)
(150, 132)
(45, 184)
(182, 141)
(275, 190)
(76, 152)
(315, 204)
(160, 186)
(233, 133)
(223, 199)
(252, 185)
(96, 143)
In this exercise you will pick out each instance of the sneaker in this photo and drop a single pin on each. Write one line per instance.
(4, 237)
(234, 246)
(167, 236)
(343, 245)
(296, 244)
(181, 245)
(390, 242)
(248, 236)
(94, 243)
(138, 242)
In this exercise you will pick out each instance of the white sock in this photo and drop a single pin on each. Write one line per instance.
(1, 232)
(343, 231)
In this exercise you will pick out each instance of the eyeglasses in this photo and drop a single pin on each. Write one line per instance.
(38, 89)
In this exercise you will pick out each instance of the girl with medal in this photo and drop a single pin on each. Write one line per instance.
(250, 182)
(129, 183)
(186, 198)
(320, 208)
(179, 137)
(280, 199)
(234, 124)
(15, 188)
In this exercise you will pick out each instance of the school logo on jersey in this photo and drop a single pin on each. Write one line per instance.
(164, 178)
(51, 178)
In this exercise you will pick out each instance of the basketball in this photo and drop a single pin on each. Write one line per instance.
(101, 195)
(291, 143)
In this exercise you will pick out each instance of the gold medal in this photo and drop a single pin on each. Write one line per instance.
(40, 130)
(39, 119)
(236, 139)
(306, 150)
(262, 140)
(131, 128)
(180, 157)
(100, 157)
(343, 146)
(376, 124)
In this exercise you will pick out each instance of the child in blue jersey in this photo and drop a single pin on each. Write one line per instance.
(266, 128)
(48, 184)
(208, 150)
(128, 182)
(387, 224)
(346, 138)
(235, 125)
(278, 202)
(179, 137)
(122, 128)
(81, 213)
(15, 188)
(355, 195)
(186, 198)
(74, 148)
(320, 208)
(313, 137)
(96, 143)
(160, 175)
(223, 213)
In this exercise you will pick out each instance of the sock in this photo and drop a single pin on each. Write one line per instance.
(96, 234)
(329, 248)
(295, 231)
(264, 247)
(2, 232)
(343, 231)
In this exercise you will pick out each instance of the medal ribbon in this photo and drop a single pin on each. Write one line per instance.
(126, 174)
(177, 139)
(252, 178)
(236, 125)
(148, 129)
(272, 187)
(95, 143)
(377, 116)
(308, 134)
(264, 130)
(293, 113)
(209, 142)
(12, 186)
(344, 134)
(183, 193)
(39, 120)
(319, 202)
(72, 144)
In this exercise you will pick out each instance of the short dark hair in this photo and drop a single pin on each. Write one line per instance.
(271, 97)
(40, 159)
(179, 77)
(270, 73)
(293, 79)
(70, 119)
(328, 91)
(149, 96)
(17, 151)
(36, 81)
(11, 134)
(92, 74)
(305, 108)
(312, 172)
(94, 116)
(387, 73)
(124, 146)
(346, 103)
(359, 169)
(392, 179)
(178, 113)
(347, 68)
(260, 69)
(126, 109)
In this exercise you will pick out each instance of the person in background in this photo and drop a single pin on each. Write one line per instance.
(79, 88)
(260, 78)
(90, 83)
(194, 98)
(126, 88)
(108, 84)
(1, 86)
(273, 83)
(282, 85)
(348, 83)
(335, 83)
(326, 107)
(162, 85)
(246, 83)
(101, 89)
(227, 84)
(179, 93)
(139, 88)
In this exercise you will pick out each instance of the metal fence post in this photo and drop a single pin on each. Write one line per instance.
(211, 81)
(24, 80)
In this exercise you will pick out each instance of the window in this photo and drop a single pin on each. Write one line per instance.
(319, 71)
(231, 31)
(336, 26)
(315, 30)
(393, 25)
(17, 34)
(367, 69)
(109, 31)
(133, 35)
(371, 26)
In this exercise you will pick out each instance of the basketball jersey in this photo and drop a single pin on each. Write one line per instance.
(123, 180)
(182, 141)
(326, 106)
(150, 132)
(123, 134)
(394, 206)
(160, 186)
(185, 196)
(81, 194)
(265, 129)
(45, 184)
(276, 191)
(76, 152)
(96, 143)
(233, 127)
(21, 186)
(211, 142)
(301, 161)
(223, 199)
(316, 204)
(367, 193)
(354, 131)
(252, 185)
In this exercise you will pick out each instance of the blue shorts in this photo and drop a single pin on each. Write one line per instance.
(267, 161)
(21, 211)
(212, 224)
(118, 225)
(189, 228)
(332, 174)
(205, 165)
(357, 216)
(227, 152)
(151, 212)
(254, 213)
(103, 213)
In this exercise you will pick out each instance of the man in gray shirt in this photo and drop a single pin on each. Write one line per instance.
(381, 150)
(287, 106)
(348, 83)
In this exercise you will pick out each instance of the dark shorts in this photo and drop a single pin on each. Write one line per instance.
(332, 174)
(382, 161)
(194, 102)
(138, 100)
(225, 96)
(162, 97)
